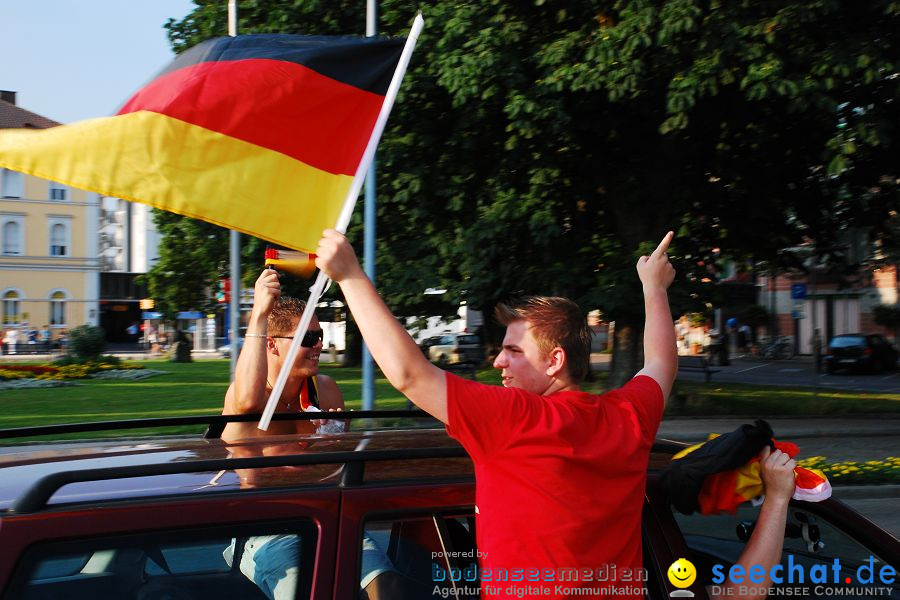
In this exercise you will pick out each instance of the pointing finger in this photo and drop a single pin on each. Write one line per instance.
(663, 245)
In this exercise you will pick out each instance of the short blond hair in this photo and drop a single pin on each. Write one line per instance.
(285, 315)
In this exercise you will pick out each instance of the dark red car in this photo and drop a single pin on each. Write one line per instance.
(173, 518)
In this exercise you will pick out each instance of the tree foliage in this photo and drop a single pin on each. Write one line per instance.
(539, 147)
(888, 316)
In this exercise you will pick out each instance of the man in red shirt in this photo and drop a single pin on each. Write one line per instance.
(560, 473)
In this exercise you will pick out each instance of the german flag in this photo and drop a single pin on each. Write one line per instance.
(259, 133)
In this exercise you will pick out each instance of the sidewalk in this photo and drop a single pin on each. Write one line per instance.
(694, 429)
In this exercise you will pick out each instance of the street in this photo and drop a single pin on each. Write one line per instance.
(797, 371)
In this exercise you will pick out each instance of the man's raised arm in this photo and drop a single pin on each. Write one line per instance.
(400, 359)
(660, 358)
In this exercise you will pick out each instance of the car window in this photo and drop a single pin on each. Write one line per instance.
(238, 562)
(447, 339)
(846, 342)
(810, 542)
(190, 558)
(419, 554)
(62, 566)
(468, 339)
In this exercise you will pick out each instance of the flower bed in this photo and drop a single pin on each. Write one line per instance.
(31, 382)
(9, 375)
(129, 374)
(26, 370)
(65, 369)
(850, 472)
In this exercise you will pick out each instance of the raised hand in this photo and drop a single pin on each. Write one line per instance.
(655, 271)
(777, 472)
(335, 257)
(266, 291)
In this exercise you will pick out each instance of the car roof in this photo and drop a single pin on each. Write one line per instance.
(37, 475)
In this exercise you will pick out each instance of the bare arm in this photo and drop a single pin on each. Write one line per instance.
(248, 392)
(766, 542)
(330, 395)
(660, 359)
(393, 349)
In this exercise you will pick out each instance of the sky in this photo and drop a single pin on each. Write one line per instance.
(70, 60)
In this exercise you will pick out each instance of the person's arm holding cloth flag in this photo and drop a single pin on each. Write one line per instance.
(765, 545)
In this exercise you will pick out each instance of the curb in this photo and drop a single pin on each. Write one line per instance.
(783, 434)
(695, 429)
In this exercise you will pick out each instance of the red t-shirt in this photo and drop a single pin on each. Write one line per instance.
(559, 482)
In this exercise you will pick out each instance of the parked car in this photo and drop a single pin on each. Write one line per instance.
(457, 349)
(429, 342)
(225, 349)
(860, 352)
(166, 517)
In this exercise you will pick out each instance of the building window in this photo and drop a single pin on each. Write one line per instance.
(58, 308)
(10, 308)
(58, 191)
(12, 237)
(13, 184)
(58, 242)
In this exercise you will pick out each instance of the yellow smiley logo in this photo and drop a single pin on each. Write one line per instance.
(682, 573)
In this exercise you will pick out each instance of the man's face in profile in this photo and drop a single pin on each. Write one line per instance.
(307, 362)
(522, 363)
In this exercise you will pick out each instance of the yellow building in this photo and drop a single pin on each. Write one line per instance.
(49, 269)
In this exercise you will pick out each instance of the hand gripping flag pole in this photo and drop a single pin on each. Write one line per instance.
(343, 221)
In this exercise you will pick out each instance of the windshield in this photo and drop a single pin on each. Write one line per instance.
(845, 342)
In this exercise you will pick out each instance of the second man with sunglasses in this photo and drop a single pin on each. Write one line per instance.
(270, 330)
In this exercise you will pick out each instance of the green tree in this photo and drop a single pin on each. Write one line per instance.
(536, 146)
(888, 316)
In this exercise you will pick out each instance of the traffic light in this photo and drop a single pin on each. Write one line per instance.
(147, 304)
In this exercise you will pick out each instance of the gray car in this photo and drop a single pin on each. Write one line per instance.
(457, 349)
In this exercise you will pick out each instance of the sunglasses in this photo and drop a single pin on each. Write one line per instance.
(310, 338)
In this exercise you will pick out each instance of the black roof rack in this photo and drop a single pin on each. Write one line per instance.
(36, 497)
(215, 423)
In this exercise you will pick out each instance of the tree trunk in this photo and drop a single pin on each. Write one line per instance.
(628, 353)
(353, 343)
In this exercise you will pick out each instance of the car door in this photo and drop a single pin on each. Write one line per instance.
(183, 549)
(407, 529)
(817, 534)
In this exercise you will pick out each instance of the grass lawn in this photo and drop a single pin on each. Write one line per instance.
(692, 399)
(198, 388)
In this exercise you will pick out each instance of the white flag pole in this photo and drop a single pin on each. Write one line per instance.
(344, 219)
(234, 246)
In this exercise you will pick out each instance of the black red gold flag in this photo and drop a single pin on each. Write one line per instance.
(259, 133)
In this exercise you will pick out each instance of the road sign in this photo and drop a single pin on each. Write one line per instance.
(798, 291)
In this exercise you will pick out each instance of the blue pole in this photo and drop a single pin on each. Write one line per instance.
(368, 368)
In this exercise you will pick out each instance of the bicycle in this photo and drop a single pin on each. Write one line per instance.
(782, 348)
